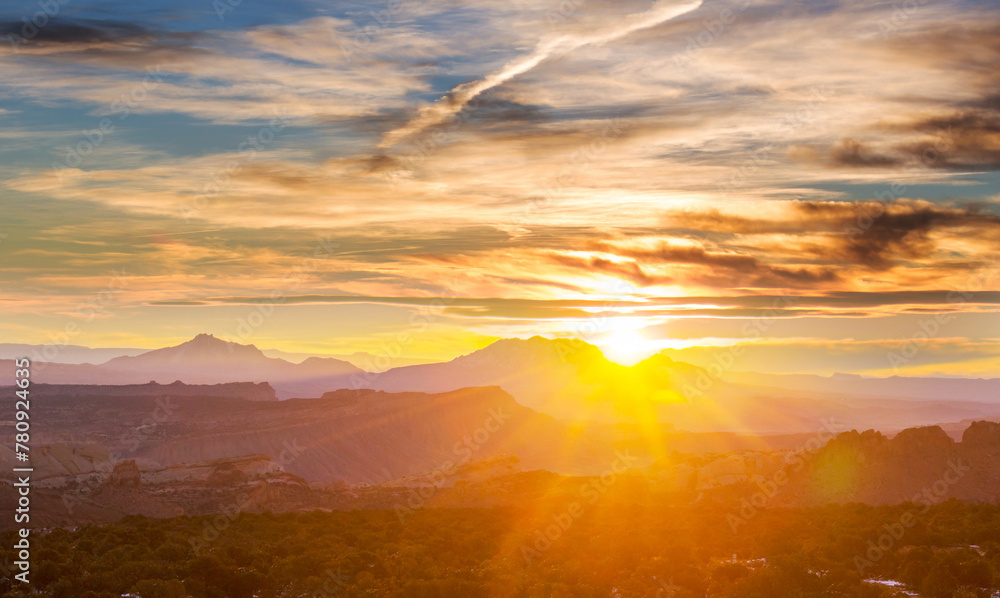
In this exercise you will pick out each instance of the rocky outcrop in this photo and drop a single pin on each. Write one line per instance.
(66, 461)
(125, 476)
(217, 472)
(927, 441)
(919, 464)
(982, 436)
(274, 496)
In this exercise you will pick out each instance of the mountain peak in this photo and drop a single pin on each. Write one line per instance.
(534, 352)
(206, 339)
(209, 343)
(202, 350)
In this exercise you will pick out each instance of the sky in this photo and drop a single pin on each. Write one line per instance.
(804, 186)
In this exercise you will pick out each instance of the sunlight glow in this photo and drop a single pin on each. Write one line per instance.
(627, 347)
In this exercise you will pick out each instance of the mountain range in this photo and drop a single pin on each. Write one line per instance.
(572, 380)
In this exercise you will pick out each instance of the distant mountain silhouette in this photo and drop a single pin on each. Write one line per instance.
(64, 353)
(205, 359)
(567, 378)
(570, 380)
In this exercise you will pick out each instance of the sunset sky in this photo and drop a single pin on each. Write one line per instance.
(819, 179)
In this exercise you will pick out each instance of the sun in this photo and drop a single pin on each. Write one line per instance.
(626, 347)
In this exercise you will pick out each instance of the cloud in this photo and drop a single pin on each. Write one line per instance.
(219, 76)
(440, 111)
(965, 140)
(851, 152)
(723, 269)
(91, 33)
(880, 236)
(581, 165)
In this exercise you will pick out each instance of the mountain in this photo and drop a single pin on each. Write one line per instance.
(64, 353)
(366, 361)
(569, 380)
(919, 465)
(566, 378)
(572, 380)
(204, 359)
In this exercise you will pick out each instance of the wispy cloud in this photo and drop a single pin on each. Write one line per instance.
(439, 112)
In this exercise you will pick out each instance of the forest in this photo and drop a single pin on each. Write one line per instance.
(616, 549)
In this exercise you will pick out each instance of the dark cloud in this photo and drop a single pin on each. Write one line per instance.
(630, 271)
(990, 102)
(79, 32)
(111, 44)
(968, 140)
(875, 235)
(717, 269)
(94, 33)
(963, 135)
(491, 109)
(853, 153)
(695, 255)
(879, 236)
